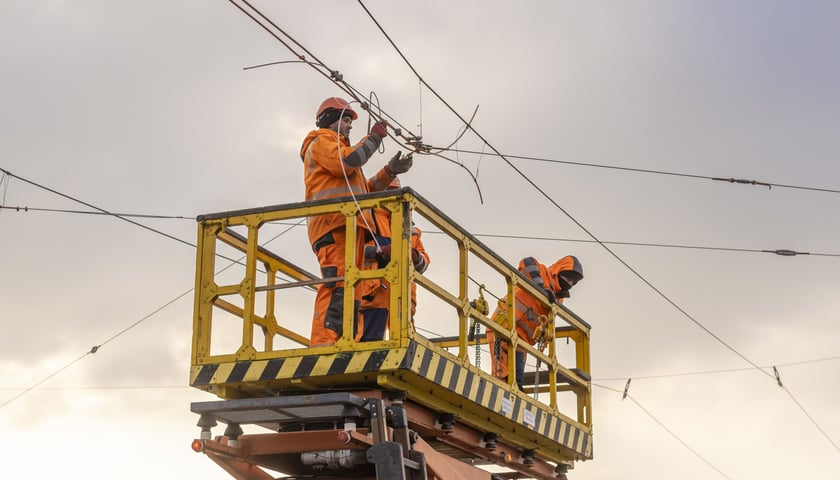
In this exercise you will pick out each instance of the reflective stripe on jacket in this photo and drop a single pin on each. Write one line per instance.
(327, 175)
(528, 309)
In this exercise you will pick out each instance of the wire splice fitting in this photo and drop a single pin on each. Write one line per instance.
(785, 252)
(778, 377)
(743, 181)
(626, 389)
(417, 143)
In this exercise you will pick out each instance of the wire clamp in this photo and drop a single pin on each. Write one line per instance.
(626, 389)
(417, 143)
(778, 377)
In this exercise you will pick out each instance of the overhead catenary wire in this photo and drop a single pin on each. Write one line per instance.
(802, 408)
(648, 171)
(582, 227)
(781, 252)
(96, 348)
(101, 210)
(586, 240)
(625, 393)
(345, 86)
(434, 334)
(88, 212)
(337, 78)
(561, 208)
(4, 186)
(330, 74)
(107, 387)
(664, 427)
(53, 374)
(776, 375)
(715, 372)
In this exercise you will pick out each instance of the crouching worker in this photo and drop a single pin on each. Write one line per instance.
(531, 314)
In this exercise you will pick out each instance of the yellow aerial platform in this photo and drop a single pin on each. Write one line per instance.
(270, 376)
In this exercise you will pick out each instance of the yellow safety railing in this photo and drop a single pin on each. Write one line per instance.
(250, 294)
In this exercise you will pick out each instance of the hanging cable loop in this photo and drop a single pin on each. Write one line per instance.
(338, 79)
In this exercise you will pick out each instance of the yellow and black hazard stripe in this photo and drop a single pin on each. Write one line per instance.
(448, 373)
(307, 366)
(427, 362)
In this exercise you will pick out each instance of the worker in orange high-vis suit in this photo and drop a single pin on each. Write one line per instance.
(374, 310)
(532, 316)
(333, 169)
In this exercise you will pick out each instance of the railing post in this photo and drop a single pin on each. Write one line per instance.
(204, 284)
(463, 295)
(248, 293)
(351, 273)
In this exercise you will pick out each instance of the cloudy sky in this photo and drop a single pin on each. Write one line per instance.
(144, 108)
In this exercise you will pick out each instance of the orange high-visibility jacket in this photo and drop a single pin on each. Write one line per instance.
(376, 293)
(529, 309)
(324, 153)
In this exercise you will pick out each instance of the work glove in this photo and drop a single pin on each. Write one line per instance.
(550, 294)
(399, 163)
(418, 260)
(383, 256)
(370, 252)
(380, 129)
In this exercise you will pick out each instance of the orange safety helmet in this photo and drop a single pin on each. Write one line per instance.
(336, 103)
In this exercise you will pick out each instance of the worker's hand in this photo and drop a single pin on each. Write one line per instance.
(380, 129)
(383, 255)
(550, 294)
(370, 252)
(399, 163)
(418, 260)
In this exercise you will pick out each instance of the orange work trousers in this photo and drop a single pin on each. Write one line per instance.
(328, 319)
(499, 359)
